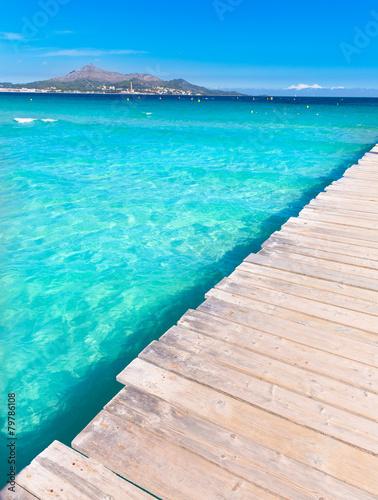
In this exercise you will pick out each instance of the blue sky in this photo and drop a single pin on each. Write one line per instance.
(216, 43)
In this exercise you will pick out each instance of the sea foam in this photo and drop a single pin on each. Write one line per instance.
(29, 120)
(25, 120)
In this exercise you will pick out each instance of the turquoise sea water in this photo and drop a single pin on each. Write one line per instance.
(119, 215)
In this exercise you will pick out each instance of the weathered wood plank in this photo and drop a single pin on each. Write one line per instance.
(297, 408)
(368, 167)
(62, 473)
(360, 173)
(239, 346)
(346, 342)
(344, 220)
(353, 185)
(242, 285)
(369, 158)
(327, 232)
(349, 188)
(334, 271)
(336, 250)
(346, 369)
(169, 471)
(282, 244)
(351, 192)
(362, 238)
(18, 494)
(327, 211)
(357, 182)
(304, 286)
(346, 286)
(366, 160)
(238, 454)
(270, 370)
(328, 204)
(322, 241)
(349, 464)
(332, 199)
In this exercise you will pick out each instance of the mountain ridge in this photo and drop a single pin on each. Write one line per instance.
(93, 73)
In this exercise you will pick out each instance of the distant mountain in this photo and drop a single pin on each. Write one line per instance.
(93, 74)
(92, 79)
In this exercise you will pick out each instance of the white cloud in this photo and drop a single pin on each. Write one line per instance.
(303, 86)
(89, 52)
(5, 35)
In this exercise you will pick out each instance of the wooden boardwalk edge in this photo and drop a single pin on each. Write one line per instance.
(268, 390)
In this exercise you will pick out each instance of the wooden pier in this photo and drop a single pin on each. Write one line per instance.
(268, 390)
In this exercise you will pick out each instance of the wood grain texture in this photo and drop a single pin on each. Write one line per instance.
(236, 453)
(19, 494)
(241, 347)
(351, 465)
(61, 473)
(169, 471)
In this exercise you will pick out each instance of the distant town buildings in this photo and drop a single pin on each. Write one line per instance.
(104, 89)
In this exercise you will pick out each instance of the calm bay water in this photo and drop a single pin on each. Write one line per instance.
(118, 215)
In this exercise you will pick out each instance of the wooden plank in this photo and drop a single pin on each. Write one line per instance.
(359, 200)
(273, 371)
(313, 272)
(361, 173)
(332, 200)
(347, 463)
(277, 293)
(355, 342)
(245, 347)
(302, 410)
(352, 188)
(368, 160)
(62, 473)
(368, 225)
(368, 166)
(338, 198)
(319, 268)
(359, 210)
(18, 494)
(362, 238)
(346, 369)
(332, 208)
(373, 167)
(371, 157)
(351, 192)
(337, 271)
(282, 244)
(318, 243)
(329, 232)
(238, 454)
(357, 182)
(317, 240)
(169, 471)
(349, 342)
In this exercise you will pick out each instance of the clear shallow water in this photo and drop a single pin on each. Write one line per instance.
(120, 215)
